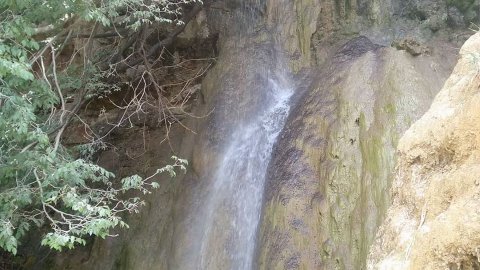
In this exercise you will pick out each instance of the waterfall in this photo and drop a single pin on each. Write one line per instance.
(220, 225)
(239, 181)
(230, 209)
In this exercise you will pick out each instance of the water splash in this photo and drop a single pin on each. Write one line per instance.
(234, 204)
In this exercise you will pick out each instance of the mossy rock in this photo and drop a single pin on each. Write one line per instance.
(462, 5)
(468, 8)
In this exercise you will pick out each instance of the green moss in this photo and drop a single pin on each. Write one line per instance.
(343, 7)
(390, 109)
(305, 16)
(462, 5)
(122, 261)
(348, 7)
(370, 148)
(338, 7)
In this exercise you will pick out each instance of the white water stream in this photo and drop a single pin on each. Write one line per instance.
(233, 207)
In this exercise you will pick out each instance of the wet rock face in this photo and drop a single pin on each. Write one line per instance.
(434, 222)
(328, 180)
(435, 15)
(421, 9)
(411, 46)
(355, 48)
(329, 176)
(467, 9)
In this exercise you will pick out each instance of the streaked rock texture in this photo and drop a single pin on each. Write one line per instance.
(434, 222)
(328, 181)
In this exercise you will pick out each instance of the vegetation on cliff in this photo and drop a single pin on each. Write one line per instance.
(49, 69)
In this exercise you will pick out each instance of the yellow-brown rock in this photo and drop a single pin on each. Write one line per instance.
(434, 222)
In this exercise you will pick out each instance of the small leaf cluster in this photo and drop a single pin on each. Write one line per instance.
(134, 13)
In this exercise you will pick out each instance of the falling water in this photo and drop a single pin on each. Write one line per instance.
(234, 203)
(220, 226)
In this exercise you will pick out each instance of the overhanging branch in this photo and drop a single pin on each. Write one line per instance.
(165, 42)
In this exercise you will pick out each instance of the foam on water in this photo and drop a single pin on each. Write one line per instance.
(234, 203)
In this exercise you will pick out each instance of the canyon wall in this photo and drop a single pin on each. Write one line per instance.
(434, 221)
(327, 185)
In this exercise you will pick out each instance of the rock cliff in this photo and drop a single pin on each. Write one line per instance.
(434, 221)
(328, 182)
